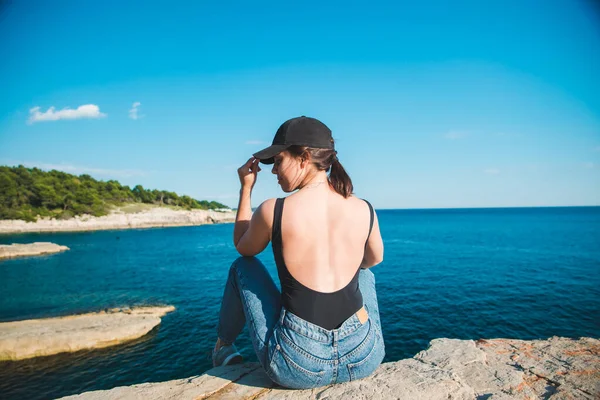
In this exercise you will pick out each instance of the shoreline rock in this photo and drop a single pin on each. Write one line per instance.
(151, 218)
(491, 369)
(47, 336)
(29, 249)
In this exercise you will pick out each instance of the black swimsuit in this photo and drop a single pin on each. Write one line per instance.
(328, 310)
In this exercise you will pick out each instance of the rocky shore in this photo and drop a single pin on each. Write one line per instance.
(42, 337)
(150, 218)
(30, 249)
(495, 369)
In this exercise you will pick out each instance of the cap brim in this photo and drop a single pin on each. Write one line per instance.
(265, 156)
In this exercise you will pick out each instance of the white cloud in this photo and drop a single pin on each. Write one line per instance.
(597, 148)
(492, 171)
(455, 135)
(589, 165)
(80, 169)
(133, 112)
(84, 111)
(255, 142)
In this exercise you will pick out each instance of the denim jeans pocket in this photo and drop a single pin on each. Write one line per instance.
(365, 359)
(285, 369)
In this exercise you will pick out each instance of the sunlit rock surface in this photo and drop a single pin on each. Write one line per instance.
(42, 337)
(495, 369)
(154, 217)
(30, 249)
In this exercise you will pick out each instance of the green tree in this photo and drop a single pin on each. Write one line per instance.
(26, 193)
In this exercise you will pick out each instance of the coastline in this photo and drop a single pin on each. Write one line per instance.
(157, 217)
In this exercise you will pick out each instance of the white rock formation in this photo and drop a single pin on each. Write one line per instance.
(496, 369)
(154, 217)
(42, 337)
(29, 249)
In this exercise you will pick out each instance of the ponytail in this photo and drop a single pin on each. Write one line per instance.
(339, 179)
(326, 160)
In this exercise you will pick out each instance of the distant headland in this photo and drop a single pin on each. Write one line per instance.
(32, 200)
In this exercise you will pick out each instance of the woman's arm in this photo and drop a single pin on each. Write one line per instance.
(243, 215)
(251, 232)
(374, 248)
(257, 232)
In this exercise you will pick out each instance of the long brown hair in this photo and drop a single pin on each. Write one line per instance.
(327, 160)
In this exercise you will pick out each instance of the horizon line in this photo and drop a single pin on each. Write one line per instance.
(486, 207)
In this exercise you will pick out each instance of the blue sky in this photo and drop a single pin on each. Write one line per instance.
(432, 104)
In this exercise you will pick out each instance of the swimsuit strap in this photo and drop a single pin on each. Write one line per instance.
(278, 212)
(372, 218)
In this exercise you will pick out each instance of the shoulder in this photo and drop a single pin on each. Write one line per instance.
(364, 207)
(267, 205)
(265, 211)
(359, 202)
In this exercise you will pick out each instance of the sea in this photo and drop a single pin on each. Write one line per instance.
(522, 273)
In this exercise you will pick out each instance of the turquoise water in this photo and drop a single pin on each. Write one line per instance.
(521, 273)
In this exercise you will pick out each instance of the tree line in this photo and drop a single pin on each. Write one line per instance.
(26, 193)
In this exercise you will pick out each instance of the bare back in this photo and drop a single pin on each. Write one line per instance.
(324, 236)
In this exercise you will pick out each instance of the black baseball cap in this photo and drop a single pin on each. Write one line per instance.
(300, 131)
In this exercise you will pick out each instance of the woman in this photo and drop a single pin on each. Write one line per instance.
(324, 326)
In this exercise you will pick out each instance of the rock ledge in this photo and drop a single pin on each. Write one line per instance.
(43, 337)
(29, 249)
(494, 369)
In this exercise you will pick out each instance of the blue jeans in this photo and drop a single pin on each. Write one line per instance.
(296, 353)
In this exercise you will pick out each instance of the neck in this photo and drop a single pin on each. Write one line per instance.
(318, 179)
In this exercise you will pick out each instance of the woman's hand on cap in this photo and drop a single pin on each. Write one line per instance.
(248, 173)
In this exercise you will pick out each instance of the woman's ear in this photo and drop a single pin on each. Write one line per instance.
(305, 159)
